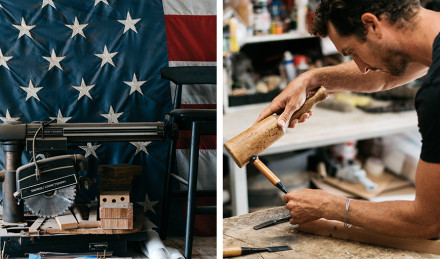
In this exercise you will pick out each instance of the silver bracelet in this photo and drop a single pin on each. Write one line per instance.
(347, 205)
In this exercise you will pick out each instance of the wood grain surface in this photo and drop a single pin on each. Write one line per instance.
(238, 231)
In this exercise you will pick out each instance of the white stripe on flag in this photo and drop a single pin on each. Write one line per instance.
(190, 7)
(206, 179)
(190, 63)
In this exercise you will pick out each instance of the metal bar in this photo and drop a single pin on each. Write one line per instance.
(180, 179)
(102, 131)
(167, 189)
(12, 212)
(177, 96)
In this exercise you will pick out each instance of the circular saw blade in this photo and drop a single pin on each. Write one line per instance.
(51, 204)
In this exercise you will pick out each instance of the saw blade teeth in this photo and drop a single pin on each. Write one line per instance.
(55, 204)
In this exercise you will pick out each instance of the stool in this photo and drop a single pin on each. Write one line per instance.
(201, 122)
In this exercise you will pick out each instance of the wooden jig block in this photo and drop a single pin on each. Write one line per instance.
(119, 170)
(67, 221)
(36, 225)
(114, 197)
(116, 210)
(117, 223)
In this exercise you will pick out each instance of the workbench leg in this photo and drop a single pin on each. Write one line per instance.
(192, 188)
(239, 189)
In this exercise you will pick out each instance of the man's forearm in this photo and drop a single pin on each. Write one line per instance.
(347, 77)
(397, 218)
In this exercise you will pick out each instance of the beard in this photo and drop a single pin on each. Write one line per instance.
(393, 62)
(396, 64)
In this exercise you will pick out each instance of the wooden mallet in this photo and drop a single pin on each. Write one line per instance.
(246, 146)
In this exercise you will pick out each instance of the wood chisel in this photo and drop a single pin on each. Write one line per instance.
(268, 173)
(246, 146)
(272, 222)
(237, 251)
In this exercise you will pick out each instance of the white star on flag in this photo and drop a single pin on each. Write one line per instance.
(148, 205)
(47, 2)
(54, 60)
(106, 57)
(141, 146)
(135, 85)
(83, 89)
(60, 119)
(4, 59)
(77, 28)
(31, 91)
(90, 149)
(112, 116)
(8, 117)
(98, 1)
(129, 23)
(24, 29)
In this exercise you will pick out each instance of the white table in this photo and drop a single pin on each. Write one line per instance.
(325, 127)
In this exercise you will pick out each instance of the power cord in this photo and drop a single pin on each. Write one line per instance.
(41, 128)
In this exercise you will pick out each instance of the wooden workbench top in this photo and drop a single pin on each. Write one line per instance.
(238, 231)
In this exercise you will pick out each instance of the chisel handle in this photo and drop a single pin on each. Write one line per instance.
(231, 251)
(268, 173)
(265, 170)
(236, 251)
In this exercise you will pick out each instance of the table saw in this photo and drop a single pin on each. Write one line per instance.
(48, 186)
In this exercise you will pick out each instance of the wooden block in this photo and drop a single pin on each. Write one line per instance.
(67, 221)
(116, 211)
(384, 182)
(116, 223)
(336, 229)
(50, 224)
(119, 170)
(89, 224)
(36, 225)
(117, 180)
(105, 187)
(114, 197)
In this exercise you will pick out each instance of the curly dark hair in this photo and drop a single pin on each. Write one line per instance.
(346, 15)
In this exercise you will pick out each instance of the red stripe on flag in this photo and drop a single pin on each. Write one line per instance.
(206, 141)
(191, 37)
(198, 106)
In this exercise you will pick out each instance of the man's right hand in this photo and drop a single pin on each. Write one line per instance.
(287, 102)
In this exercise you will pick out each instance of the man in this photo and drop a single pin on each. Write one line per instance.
(391, 42)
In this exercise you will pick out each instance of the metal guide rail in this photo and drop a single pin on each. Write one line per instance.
(85, 132)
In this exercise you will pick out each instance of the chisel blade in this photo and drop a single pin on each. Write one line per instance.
(277, 248)
(272, 222)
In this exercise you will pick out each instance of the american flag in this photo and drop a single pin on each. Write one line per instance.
(100, 61)
(191, 41)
